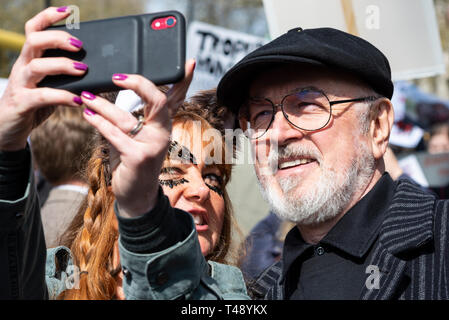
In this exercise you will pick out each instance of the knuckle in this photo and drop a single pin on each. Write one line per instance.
(104, 129)
(33, 66)
(137, 78)
(130, 124)
(40, 97)
(61, 38)
(160, 98)
(29, 26)
(65, 63)
(141, 157)
(46, 16)
(31, 39)
(14, 96)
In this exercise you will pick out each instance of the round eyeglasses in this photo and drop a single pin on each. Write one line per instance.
(308, 110)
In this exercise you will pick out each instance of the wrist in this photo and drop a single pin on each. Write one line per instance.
(137, 208)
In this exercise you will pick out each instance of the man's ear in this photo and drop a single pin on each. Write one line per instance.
(381, 122)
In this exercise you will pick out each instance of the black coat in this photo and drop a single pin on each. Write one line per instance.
(22, 243)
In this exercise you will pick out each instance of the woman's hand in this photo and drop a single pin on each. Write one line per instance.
(23, 105)
(136, 160)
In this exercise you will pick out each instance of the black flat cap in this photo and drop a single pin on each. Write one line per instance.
(322, 46)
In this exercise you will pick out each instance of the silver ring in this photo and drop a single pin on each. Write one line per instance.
(137, 127)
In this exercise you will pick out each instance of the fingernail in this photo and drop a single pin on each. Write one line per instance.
(62, 9)
(194, 64)
(78, 100)
(88, 95)
(80, 66)
(76, 43)
(119, 76)
(89, 112)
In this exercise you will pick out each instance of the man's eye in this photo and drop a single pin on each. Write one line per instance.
(261, 118)
(261, 113)
(309, 107)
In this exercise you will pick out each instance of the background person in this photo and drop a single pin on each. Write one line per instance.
(61, 147)
(437, 143)
(439, 138)
(264, 245)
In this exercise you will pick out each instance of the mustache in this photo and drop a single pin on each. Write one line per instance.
(292, 151)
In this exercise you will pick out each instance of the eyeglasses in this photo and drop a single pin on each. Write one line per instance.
(308, 109)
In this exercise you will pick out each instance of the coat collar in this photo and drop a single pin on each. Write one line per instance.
(409, 219)
(407, 227)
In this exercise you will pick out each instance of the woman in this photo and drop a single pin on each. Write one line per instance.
(190, 184)
(137, 152)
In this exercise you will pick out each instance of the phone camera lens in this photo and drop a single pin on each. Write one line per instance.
(170, 21)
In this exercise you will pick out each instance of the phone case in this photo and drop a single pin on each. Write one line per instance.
(126, 44)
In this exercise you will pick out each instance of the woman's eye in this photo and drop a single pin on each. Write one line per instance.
(171, 177)
(171, 171)
(213, 180)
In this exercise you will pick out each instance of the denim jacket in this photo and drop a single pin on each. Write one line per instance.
(158, 276)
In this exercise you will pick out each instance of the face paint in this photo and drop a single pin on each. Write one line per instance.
(172, 183)
(202, 195)
(215, 189)
(181, 153)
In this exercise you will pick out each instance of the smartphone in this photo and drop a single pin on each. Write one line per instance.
(152, 45)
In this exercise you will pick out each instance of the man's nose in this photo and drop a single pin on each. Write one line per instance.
(282, 130)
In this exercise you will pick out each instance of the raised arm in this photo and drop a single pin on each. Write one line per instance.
(22, 107)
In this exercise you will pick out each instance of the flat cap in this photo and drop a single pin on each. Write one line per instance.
(326, 47)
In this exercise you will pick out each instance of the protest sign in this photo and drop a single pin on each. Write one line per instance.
(405, 31)
(216, 50)
(429, 170)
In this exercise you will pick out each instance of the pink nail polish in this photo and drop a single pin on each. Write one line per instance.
(88, 95)
(89, 112)
(76, 43)
(77, 100)
(119, 76)
(80, 66)
(62, 9)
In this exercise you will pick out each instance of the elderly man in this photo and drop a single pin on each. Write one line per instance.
(317, 102)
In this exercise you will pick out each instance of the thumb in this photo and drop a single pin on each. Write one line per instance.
(177, 93)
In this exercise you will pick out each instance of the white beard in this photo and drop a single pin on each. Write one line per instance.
(323, 200)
